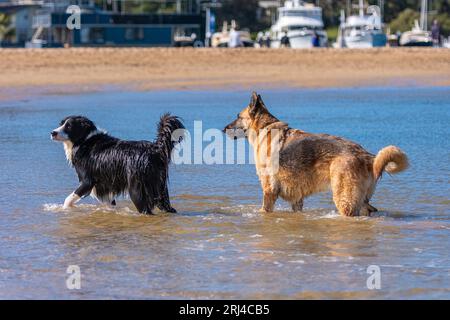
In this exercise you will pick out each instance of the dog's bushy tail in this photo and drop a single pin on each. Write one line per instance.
(168, 136)
(390, 159)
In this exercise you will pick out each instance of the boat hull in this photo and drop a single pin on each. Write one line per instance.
(418, 44)
(411, 39)
(367, 41)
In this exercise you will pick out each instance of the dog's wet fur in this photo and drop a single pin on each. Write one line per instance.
(108, 167)
(310, 163)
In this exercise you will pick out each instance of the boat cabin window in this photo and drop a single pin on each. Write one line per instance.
(362, 28)
(301, 13)
(299, 27)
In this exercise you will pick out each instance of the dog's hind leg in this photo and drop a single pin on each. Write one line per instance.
(346, 184)
(371, 208)
(112, 202)
(367, 209)
(164, 202)
(140, 199)
(346, 201)
(166, 207)
(297, 206)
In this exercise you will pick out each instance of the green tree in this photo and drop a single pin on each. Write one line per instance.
(404, 21)
(6, 30)
(140, 6)
(243, 12)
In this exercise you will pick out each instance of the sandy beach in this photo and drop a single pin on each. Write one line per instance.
(91, 69)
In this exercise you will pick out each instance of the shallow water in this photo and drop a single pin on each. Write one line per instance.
(218, 245)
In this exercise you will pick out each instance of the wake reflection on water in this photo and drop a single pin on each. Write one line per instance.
(235, 244)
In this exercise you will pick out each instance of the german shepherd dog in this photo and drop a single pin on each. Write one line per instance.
(108, 167)
(308, 163)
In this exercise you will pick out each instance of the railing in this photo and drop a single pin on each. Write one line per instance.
(27, 2)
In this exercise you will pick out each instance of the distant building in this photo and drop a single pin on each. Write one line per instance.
(21, 13)
(105, 22)
(268, 8)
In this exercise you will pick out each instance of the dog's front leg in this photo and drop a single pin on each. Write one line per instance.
(84, 189)
(270, 193)
(71, 200)
(269, 200)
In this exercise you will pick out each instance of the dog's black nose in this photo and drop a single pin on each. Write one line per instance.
(54, 133)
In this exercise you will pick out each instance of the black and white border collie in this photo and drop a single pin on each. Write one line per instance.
(108, 167)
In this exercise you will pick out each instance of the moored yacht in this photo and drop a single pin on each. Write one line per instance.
(301, 23)
(418, 36)
(362, 31)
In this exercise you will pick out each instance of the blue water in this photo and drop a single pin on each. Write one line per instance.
(218, 245)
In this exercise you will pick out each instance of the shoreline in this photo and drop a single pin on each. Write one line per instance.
(28, 93)
(81, 70)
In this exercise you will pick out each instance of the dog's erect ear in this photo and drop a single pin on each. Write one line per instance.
(254, 99)
(256, 104)
(260, 102)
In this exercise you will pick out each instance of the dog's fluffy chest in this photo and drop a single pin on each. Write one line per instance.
(68, 150)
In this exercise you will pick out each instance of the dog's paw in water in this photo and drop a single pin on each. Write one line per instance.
(71, 200)
(263, 210)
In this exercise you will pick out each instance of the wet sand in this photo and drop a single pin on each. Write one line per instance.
(93, 69)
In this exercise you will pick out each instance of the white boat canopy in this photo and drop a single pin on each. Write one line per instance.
(362, 21)
(286, 22)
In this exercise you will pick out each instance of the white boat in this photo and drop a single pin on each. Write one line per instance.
(222, 39)
(362, 31)
(418, 36)
(301, 22)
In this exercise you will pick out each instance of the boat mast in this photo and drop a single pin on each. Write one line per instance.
(423, 15)
(381, 5)
(361, 8)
